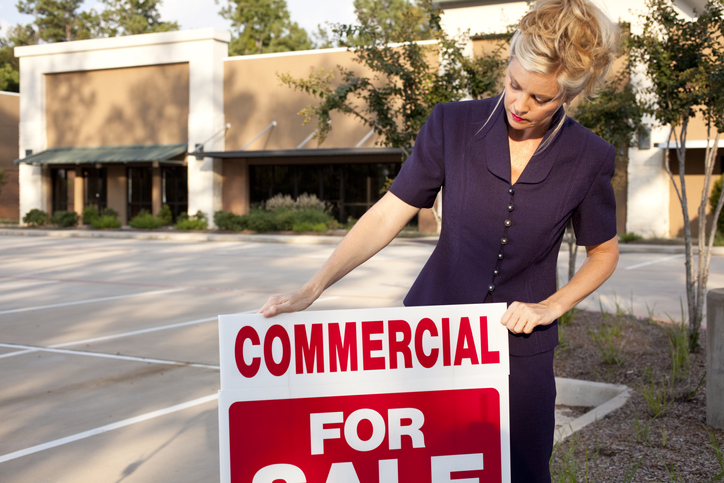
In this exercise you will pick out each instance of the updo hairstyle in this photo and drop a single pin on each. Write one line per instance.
(572, 39)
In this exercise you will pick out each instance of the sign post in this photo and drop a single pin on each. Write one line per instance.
(415, 394)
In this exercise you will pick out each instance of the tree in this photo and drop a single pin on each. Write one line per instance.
(131, 17)
(17, 35)
(263, 26)
(684, 61)
(406, 84)
(395, 20)
(60, 20)
(616, 115)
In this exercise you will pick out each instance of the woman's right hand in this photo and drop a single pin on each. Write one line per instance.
(288, 302)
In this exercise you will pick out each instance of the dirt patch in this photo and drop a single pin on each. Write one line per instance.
(631, 444)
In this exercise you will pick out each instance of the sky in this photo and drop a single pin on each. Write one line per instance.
(205, 13)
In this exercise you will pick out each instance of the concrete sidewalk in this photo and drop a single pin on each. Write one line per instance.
(169, 235)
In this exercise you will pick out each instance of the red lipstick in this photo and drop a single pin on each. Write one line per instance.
(516, 118)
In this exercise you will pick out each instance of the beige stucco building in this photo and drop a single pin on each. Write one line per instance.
(135, 122)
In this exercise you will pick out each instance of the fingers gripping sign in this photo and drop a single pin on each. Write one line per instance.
(522, 318)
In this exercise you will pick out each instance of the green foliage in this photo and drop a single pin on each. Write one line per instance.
(713, 200)
(679, 351)
(199, 221)
(105, 221)
(146, 221)
(656, 393)
(131, 17)
(630, 237)
(260, 221)
(261, 26)
(165, 215)
(391, 20)
(60, 20)
(407, 81)
(225, 220)
(65, 218)
(36, 218)
(566, 318)
(684, 60)
(716, 448)
(15, 36)
(615, 114)
(90, 213)
(281, 213)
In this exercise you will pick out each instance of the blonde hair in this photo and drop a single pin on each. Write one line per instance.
(572, 39)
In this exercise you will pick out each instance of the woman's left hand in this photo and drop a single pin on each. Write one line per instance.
(522, 318)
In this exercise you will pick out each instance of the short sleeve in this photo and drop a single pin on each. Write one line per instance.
(594, 221)
(423, 173)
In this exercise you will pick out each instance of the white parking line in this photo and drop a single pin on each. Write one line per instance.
(80, 302)
(106, 428)
(102, 355)
(658, 260)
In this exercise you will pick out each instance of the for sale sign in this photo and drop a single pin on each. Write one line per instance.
(417, 394)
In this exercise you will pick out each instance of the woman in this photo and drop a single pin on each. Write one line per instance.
(514, 170)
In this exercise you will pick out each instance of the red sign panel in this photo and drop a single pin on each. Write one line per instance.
(427, 437)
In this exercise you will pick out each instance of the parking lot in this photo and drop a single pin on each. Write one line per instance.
(109, 347)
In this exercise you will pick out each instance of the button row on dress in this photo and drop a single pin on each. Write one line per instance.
(504, 240)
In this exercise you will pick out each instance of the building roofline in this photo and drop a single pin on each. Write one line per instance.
(140, 40)
(311, 51)
(301, 153)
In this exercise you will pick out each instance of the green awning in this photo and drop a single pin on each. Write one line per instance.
(107, 154)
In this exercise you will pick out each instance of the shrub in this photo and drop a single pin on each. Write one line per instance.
(630, 237)
(36, 217)
(105, 221)
(65, 219)
(110, 212)
(195, 222)
(307, 226)
(225, 220)
(303, 201)
(145, 220)
(259, 220)
(89, 214)
(165, 215)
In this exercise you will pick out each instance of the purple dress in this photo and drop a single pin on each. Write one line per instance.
(499, 242)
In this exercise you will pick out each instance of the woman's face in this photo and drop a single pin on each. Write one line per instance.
(530, 101)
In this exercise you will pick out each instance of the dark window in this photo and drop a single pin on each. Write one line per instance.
(350, 188)
(140, 190)
(175, 189)
(60, 189)
(95, 188)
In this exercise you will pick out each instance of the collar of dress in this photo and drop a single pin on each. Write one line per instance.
(497, 151)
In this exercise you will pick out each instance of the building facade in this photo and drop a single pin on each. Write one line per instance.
(135, 122)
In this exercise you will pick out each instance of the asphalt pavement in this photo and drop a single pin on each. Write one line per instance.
(109, 346)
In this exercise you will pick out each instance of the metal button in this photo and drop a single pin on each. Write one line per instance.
(508, 223)
(491, 287)
(504, 241)
(496, 272)
(511, 190)
(510, 207)
(500, 255)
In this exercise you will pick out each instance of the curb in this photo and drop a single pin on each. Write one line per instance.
(291, 239)
(198, 237)
(574, 392)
